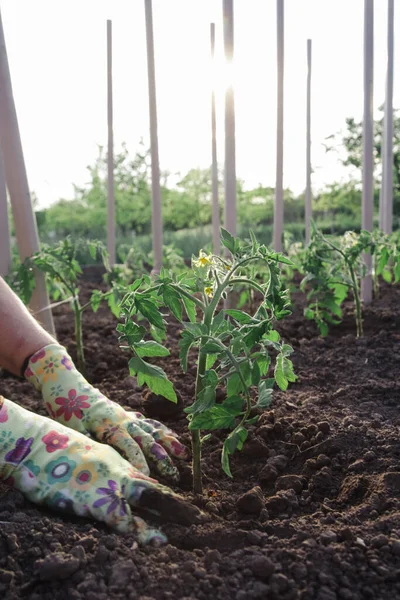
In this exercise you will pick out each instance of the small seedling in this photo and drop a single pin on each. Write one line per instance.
(62, 270)
(235, 350)
(332, 269)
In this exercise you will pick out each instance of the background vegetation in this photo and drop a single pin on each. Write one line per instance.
(186, 201)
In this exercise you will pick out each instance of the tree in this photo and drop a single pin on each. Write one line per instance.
(351, 142)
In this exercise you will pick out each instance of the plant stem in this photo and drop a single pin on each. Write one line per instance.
(359, 324)
(356, 300)
(78, 336)
(196, 444)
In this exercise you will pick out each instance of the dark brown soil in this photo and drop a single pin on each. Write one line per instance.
(323, 521)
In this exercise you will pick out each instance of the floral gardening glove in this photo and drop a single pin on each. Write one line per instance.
(71, 400)
(64, 470)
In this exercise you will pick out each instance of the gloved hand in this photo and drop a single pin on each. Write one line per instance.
(64, 470)
(71, 400)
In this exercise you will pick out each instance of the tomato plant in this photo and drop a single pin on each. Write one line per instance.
(235, 350)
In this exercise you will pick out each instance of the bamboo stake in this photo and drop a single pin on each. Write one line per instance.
(155, 165)
(17, 184)
(214, 163)
(230, 143)
(5, 243)
(278, 209)
(308, 211)
(110, 153)
(386, 198)
(368, 141)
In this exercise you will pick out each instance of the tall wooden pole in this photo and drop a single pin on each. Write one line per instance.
(278, 209)
(110, 153)
(386, 197)
(308, 211)
(155, 164)
(214, 163)
(17, 184)
(5, 245)
(230, 142)
(368, 141)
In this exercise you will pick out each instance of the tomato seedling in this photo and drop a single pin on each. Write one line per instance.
(62, 270)
(235, 350)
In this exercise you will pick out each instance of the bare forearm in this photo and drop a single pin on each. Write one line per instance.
(20, 334)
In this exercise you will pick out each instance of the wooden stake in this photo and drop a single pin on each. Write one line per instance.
(230, 142)
(214, 163)
(278, 209)
(308, 211)
(155, 165)
(110, 153)
(18, 187)
(368, 141)
(5, 244)
(386, 197)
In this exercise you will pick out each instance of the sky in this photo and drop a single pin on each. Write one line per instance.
(57, 57)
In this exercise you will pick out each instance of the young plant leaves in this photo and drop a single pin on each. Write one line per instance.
(154, 377)
(150, 348)
(150, 310)
(234, 441)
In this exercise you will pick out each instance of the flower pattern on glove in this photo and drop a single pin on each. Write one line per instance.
(20, 452)
(71, 406)
(60, 470)
(55, 441)
(112, 496)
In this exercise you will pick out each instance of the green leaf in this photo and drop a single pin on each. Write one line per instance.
(263, 364)
(309, 314)
(383, 260)
(233, 403)
(234, 441)
(279, 373)
(217, 321)
(95, 300)
(92, 249)
(254, 243)
(265, 388)
(255, 334)
(150, 310)
(205, 401)
(228, 240)
(273, 336)
(113, 301)
(282, 259)
(154, 377)
(185, 344)
(131, 332)
(323, 328)
(255, 374)
(239, 316)
(234, 385)
(158, 334)
(190, 308)
(151, 348)
(210, 360)
(287, 350)
(172, 300)
(220, 416)
(253, 420)
(387, 276)
(211, 347)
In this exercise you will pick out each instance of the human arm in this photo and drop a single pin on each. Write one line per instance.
(21, 335)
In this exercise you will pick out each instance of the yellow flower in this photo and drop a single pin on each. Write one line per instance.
(204, 260)
(209, 291)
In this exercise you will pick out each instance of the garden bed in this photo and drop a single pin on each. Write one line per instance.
(324, 523)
